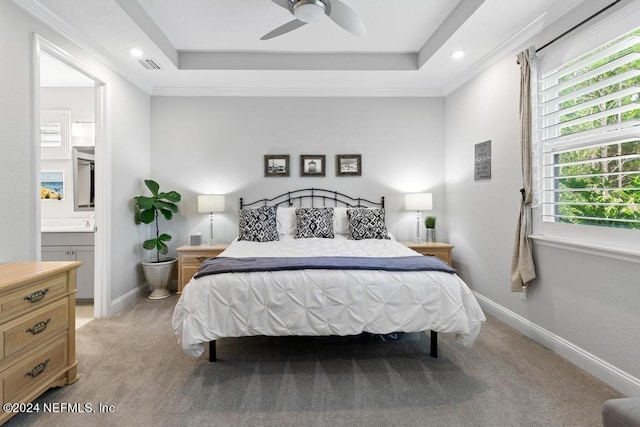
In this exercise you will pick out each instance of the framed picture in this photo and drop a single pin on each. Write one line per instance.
(312, 165)
(482, 161)
(276, 165)
(348, 165)
(52, 185)
(54, 134)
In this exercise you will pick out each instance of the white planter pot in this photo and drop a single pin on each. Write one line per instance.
(158, 275)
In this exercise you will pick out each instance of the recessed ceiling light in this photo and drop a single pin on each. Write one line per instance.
(136, 52)
(457, 54)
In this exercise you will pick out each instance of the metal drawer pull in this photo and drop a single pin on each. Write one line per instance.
(38, 369)
(37, 295)
(202, 258)
(38, 327)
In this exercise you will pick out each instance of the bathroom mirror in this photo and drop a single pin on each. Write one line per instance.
(83, 178)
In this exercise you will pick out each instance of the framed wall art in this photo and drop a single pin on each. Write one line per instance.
(276, 165)
(482, 161)
(312, 165)
(52, 185)
(348, 165)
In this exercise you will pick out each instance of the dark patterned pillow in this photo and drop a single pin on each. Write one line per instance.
(314, 222)
(366, 224)
(258, 225)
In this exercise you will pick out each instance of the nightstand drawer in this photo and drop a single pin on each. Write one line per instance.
(191, 257)
(438, 249)
(194, 258)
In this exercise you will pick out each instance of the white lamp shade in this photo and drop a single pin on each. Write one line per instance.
(210, 203)
(418, 201)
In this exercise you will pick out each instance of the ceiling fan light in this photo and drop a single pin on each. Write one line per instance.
(309, 10)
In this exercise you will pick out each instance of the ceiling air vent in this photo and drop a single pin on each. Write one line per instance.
(150, 64)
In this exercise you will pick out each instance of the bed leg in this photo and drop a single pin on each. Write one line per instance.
(212, 351)
(434, 344)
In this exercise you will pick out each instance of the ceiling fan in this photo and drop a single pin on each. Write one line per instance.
(311, 10)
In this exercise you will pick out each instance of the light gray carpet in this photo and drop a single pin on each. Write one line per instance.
(132, 362)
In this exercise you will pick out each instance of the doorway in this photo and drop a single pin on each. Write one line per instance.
(70, 135)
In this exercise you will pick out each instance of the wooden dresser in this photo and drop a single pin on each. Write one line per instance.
(190, 258)
(440, 249)
(37, 329)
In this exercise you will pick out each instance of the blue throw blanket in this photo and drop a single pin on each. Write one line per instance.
(221, 265)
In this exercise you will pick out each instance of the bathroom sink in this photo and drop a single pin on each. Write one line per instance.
(66, 229)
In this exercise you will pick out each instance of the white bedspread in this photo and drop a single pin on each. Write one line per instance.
(323, 302)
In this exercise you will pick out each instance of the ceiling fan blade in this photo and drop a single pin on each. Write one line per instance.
(345, 17)
(282, 3)
(283, 29)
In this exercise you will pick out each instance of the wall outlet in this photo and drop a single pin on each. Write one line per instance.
(523, 294)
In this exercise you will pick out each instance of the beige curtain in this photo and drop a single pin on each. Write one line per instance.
(523, 269)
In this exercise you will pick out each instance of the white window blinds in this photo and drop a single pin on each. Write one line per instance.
(589, 123)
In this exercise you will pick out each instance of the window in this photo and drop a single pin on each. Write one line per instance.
(589, 137)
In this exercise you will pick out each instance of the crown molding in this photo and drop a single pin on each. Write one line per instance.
(507, 47)
(36, 9)
(300, 92)
(518, 41)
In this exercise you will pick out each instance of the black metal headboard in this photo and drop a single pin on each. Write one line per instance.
(324, 198)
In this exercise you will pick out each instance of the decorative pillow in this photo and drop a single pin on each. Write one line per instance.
(314, 222)
(258, 224)
(366, 224)
(286, 220)
(340, 220)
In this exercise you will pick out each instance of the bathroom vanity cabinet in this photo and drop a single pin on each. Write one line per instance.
(69, 246)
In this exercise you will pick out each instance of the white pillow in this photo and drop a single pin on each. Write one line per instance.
(286, 220)
(340, 220)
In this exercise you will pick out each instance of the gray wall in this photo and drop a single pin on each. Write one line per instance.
(128, 152)
(212, 145)
(584, 300)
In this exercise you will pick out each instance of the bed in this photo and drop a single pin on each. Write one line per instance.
(316, 262)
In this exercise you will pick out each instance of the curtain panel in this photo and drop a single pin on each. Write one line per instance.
(523, 269)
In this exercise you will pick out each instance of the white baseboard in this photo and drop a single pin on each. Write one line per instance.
(616, 378)
(130, 297)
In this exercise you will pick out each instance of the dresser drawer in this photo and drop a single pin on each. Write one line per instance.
(35, 371)
(37, 326)
(33, 296)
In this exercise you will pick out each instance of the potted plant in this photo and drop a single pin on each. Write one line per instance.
(430, 223)
(159, 271)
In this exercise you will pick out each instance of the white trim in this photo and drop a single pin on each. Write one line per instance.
(35, 144)
(46, 16)
(616, 378)
(295, 92)
(513, 43)
(103, 201)
(102, 267)
(505, 48)
(620, 254)
(128, 299)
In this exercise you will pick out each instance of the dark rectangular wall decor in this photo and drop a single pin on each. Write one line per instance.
(482, 161)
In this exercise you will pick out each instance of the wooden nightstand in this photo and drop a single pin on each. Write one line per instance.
(190, 258)
(440, 249)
